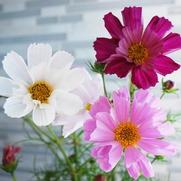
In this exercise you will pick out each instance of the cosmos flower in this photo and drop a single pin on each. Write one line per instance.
(89, 91)
(43, 86)
(122, 129)
(133, 49)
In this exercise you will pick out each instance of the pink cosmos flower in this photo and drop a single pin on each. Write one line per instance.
(132, 49)
(120, 128)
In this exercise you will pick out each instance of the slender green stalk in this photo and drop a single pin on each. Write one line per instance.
(74, 139)
(154, 159)
(13, 176)
(34, 127)
(104, 84)
(132, 89)
(26, 140)
(59, 145)
(162, 95)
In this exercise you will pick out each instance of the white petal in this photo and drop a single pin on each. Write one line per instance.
(6, 87)
(17, 107)
(44, 115)
(67, 103)
(38, 72)
(38, 53)
(70, 128)
(73, 79)
(74, 123)
(16, 68)
(61, 59)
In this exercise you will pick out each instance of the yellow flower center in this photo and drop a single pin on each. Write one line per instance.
(127, 134)
(40, 91)
(137, 53)
(88, 107)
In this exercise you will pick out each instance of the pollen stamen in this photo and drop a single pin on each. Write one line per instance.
(137, 53)
(88, 107)
(40, 91)
(127, 134)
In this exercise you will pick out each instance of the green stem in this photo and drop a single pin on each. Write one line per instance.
(104, 84)
(73, 173)
(162, 95)
(75, 147)
(132, 89)
(37, 131)
(154, 159)
(13, 176)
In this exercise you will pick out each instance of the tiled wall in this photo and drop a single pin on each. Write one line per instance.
(73, 25)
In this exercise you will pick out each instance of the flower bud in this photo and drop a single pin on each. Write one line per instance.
(168, 85)
(100, 178)
(9, 160)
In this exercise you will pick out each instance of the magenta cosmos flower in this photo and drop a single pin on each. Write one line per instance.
(130, 49)
(120, 128)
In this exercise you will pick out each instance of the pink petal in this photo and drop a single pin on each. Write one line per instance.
(159, 26)
(146, 167)
(119, 66)
(149, 132)
(102, 135)
(101, 105)
(115, 154)
(166, 129)
(142, 114)
(101, 156)
(132, 17)
(137, 163)
(105, 120)
(157, 147)
(107, 156)
(171, 42)
(134, 171)
(104, 48)
(89, 127)
(144, 96)
(121, 103)
(144, 77)
(113, 25)
(164, 65)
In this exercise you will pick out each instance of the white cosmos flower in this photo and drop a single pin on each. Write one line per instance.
(44, 86)
(89, 92)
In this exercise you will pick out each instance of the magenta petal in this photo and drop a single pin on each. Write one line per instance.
(105, 47)
(164, 65)
(113, 25)
(118, 66)
(171, 42)
(101, 105)
(159, 26)
(144, 77)
(132, 17)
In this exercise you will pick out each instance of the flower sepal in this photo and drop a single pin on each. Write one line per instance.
(97, 67)
(168, 87)
(11, 167)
